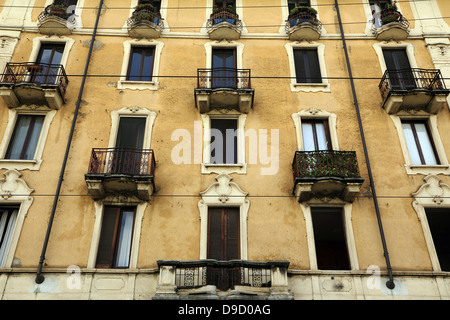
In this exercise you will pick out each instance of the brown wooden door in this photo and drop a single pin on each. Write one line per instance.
(223, 245)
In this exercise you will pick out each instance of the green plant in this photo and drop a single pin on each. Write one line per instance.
(390, 7)
(309, 10)
(145, 6)
(142, 17)
(390, 18)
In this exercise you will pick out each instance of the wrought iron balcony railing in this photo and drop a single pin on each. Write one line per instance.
(229, 78)
(319, 164)
(38, 74)
(223, 274)
(124, 161)
(296, 19)
(224, 15)
(54, 11)
(151, 16)
(384, 17)
(412, 79)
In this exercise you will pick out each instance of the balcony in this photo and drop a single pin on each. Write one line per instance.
(145, 22)
(390, 25)
(224, 23)
(326, 174)
(33, 84)
(128, 172)
(55, 20)
(413, 89)
(224, 280)
(224, 88)
(302, 24)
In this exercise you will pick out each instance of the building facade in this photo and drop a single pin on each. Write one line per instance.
(231, 149)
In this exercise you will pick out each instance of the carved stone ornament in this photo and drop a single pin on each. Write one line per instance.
(12, 185)
(223, 190)
(433, 191)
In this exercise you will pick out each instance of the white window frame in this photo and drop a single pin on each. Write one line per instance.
(140, 85)
(241, 166)
(314, 113)
(348, 227)
(15, 191)
(20, 164)
(443, 167)
(99, 207)
(223, 193)
(432, 194)
(308, 87)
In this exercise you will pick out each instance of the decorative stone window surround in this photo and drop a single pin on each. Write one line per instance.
(241, 166)
(444, 166)
(349, 235)
(314, 113)
(432, 194)
(140, 85)
(223, 193)
(308, 87)
(14, 190)
(19, 164)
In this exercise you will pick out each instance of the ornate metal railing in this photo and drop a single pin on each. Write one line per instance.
(301, 17)
(54, 11)
(411, 79)
(223, 274)
(224, 15)
(122, 161)
(317, 164)
(385, 17)
(223, 78)
(39, 74)
(151, 16)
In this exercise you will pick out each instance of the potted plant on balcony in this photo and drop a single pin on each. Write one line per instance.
(145, 7)
(221, 14)
(58, 10)
(390, 14)
(145, 12)
(298, 15)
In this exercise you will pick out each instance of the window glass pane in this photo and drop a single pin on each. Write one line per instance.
(25, 137)
(125, 237)
(308, 137)
(307, 69)
(439, 223)
(7, 222)
(147, 66)
(135, 66)
(411, 143)
(321, 136)
(425, 143)
(223, 141)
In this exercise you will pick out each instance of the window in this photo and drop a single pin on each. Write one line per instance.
(298, 3)
(439, 224)
(49, 59)
(420, 145)
(224, 141)
(116, 236)
(8, 216)
(25, 137)
(224, 68)
(223, 244)
(307, 69)
(316, 135)
(400, 74)
(329, 238)
(140, 66)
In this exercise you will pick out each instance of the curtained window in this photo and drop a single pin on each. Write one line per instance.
(8, 216)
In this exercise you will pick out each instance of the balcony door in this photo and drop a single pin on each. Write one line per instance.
(127, 155)
(47, 64)
(223, 245)
(401, 76)
(224, 69)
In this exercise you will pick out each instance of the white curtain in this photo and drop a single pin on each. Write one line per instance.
(6, 230)
(308, 137)
(125, 237)
(424, 142)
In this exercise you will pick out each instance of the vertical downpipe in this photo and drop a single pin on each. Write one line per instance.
(39, 277)
(390, 283)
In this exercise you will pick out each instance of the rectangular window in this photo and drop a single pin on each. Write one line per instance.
(8, 216)
(115, 239)
(25, 137)
(140, 66)
(439, 223)
(420, 145)
(223, 245)
(223, 141)
(307, 68)
(329, 239)
(224, 73)
(298, 3)
(315, 135)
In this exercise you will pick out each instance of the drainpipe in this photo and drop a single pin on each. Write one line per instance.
(390, 283)
(39, 277)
